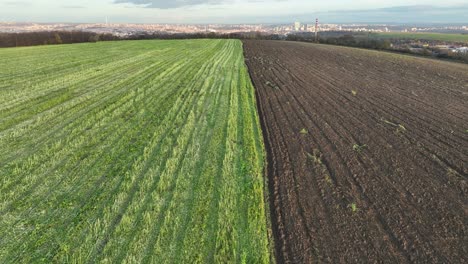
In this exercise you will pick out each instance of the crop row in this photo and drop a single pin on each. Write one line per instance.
(144, 151)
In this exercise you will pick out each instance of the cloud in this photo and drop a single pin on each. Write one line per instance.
(413, 8)
(416, 9)
(166, 4)
(416, 14)
(399, 14)
(17, 3)
(73, 6)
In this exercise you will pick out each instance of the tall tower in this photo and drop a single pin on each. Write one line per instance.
(316, 29)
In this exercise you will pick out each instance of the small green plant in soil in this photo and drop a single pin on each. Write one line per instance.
(316, 156)
(328, 179)
(359, 148)
(272, 85)
(354, 207)
(399, 127)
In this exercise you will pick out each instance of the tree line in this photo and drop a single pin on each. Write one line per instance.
(70, 37)
(360, 40)
(50, 38)
(343, 39)
(202, 35)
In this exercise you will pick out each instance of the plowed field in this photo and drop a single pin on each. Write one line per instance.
(367, 153)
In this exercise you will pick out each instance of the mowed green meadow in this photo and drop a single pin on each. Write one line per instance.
(132, 151)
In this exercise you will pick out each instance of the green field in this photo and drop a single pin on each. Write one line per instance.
(423, 36)
(135, 151)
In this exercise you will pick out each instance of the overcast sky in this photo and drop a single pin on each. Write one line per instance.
(234, 11)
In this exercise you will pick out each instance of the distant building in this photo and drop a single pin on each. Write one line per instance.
(463, 50)
(297, 26)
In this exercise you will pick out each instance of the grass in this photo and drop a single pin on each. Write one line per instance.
(135, 151)
(423, 36)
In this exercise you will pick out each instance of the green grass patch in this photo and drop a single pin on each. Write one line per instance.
(134, 151)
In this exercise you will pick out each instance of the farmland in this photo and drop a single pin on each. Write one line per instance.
(147, 151)
(424, 36)
(367, 153)
(163, 151)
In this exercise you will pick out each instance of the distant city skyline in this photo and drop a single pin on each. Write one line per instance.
(233, 11)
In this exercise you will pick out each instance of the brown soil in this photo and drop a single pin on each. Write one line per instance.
(367, 153)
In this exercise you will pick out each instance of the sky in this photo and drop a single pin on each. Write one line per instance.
(234, 11)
